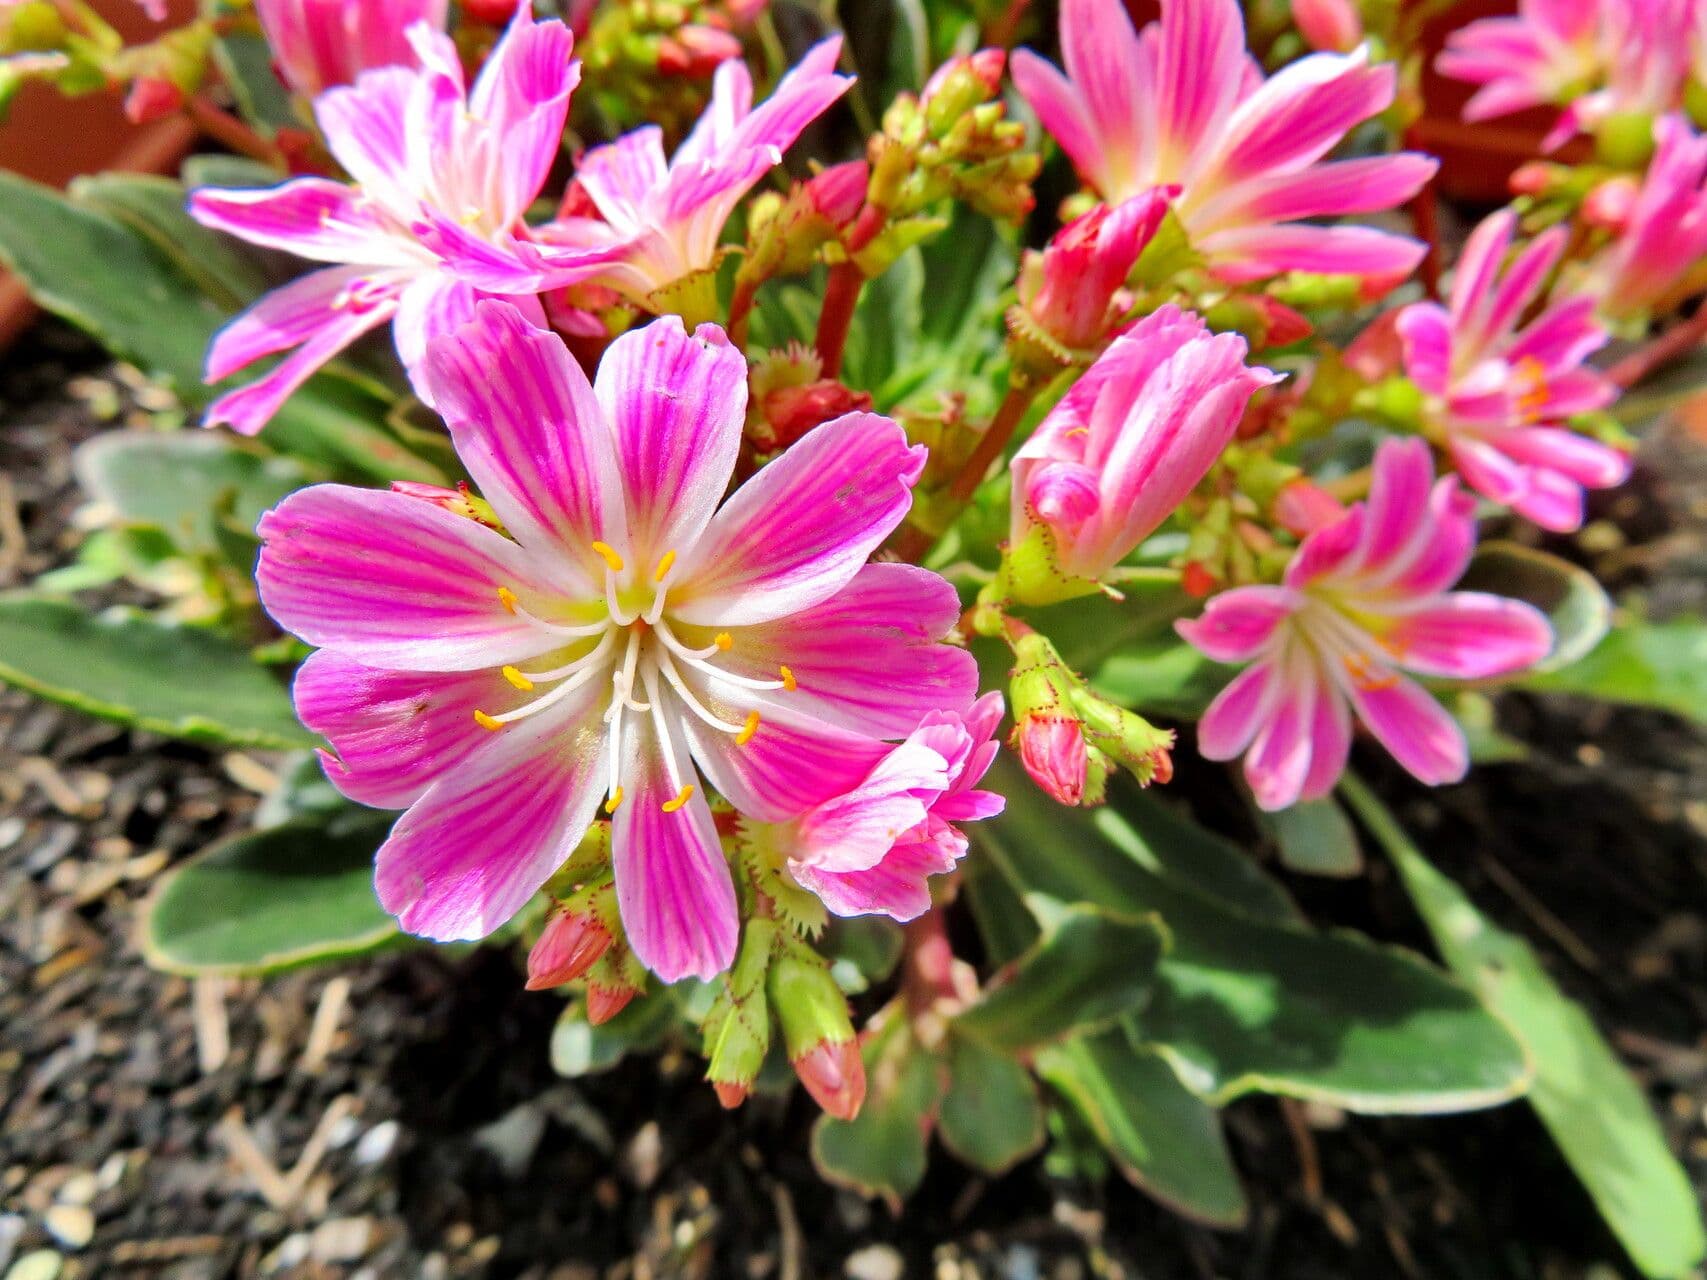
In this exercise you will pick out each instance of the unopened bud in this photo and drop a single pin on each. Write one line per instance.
(458, 501)
(1329, 26)
(1533, 178)
(738, 1027)
(570, 944)
(1052, 749)
(695, 51)
(816, 1030)
(493, 13)
(1609, 203)
(152, 98)
(1197, 581)
(838, 193)
(731, 1095)
(1302, 506)
(959, 85)
(790, 412)
(1625, 140)
(604, 1003)
(1126, 738)
(1048, 734)
(1071, 289)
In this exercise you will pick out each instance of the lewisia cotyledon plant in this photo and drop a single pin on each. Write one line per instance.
(1124, 447)
(1182, 104)
(1499, 394)
(627, 638)
(432, 223)
(1596, 59)
(1364, 600)
(873, 849)
(666, 217)
(318, 44)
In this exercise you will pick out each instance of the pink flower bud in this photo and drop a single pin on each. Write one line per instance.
(458, 501)
(1302, 507)
(1533, 178)
(1075, 280)
(838, 193)
(985, 67)
(152, 98)
(604, 1003)
(1331, 26)
(1196, 580)
(730, 1094)
(1052, 749)
(695, 51)
(1610, 203)
(1283, 325)
(834, 1074)
(570, 945)
(793, 411)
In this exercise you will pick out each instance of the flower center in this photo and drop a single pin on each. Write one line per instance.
(651, 669)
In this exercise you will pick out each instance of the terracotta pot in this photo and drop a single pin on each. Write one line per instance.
(53, 139)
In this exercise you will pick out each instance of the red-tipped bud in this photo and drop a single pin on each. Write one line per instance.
(1609, 203)
(838, 193)
(1052, 749)
(1532, 179)
(1284, 326)
(695, 51)
(983, 67)
(604, 1003)
(576, 202)
(1196, 580)
(494, 13)
(1301, 507)
(152, 98)
(730, 1094)
(1331, 26)
(1376, 353)
(1070, 288)
(834, 1074)
(570, 945)
(458, 501)
(793, 411)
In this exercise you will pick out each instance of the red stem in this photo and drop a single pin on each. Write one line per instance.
(927, 962)
(841, 295)
(1673, 344)
(740, 307)
(227, 130)
(1425, 218)
(993, 441)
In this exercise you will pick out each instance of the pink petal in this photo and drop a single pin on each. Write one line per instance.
(1468, 635)
(867, 659)
(1330, 741)
(1302, 111)
(365, 126)
(672, 881)
(1255, 253)
(1523, 283)
(620, 176)
(522, 96)
(396, 582)
(797, 532)
(294, 314)
(1327, 550)
(1413, 726)
(1366, 185)
(533, 437)
(1236, 713)
(1109, 76)
(485, 838)
(677, 405)
(394, 732)
(852, 831)
(1565, 335)
(897, 887)
(1586, 461)
(1479, 266)
(1279, 758)
(1199, 67)
(1425, 330)
(1060, 108)
(1397, 510)
(311, 217)
(1237, 625)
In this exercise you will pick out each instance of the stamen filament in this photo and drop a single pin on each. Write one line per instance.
(693, 704)
(695, 658)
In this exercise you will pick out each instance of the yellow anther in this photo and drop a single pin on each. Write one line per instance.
(723, 640)
(682, 796)
(1364, 674)
(615, 799)
(507, 598)
(664, 566)
(748, 729)
(608, 554)
(787, 679)
(518, 679)
(487, 722)
(1077, 431)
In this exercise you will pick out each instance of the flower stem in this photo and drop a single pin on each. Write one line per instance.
(1425, 218)
(927, 962)
(227, 130)
(740, 308)
(1674, 343)
(841, 295)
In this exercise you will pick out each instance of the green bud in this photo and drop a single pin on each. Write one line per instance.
(1125, 737)
(1625, 140)
(738, 1028)
(808, 1003)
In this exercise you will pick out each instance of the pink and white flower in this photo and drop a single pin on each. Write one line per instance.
(1072, 288)
(319, 44)
(1660, 256)
(1594, 58)
(1130, 440)
(1364, 600)
(873, 849)
(432, 223)
(1182, 104)
(1499, 394)
(627, 638)
(665, 218)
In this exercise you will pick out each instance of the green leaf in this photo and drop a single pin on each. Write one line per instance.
(122, 665)
(1161, 1137)
(154, 207)
(882, 1151)
(1086, 970)
(580, 1049)
(1570, 597)
(1315, 837)
(1243, 1004)
(886, 320)
(1588, 1101)
(861, 950)
(246, 66)
(270, 900)
(1162, 675)
(1645, 664)
(180, 482)
(97, 273)
(1093, 630)
(991, 1116)
(217, 169)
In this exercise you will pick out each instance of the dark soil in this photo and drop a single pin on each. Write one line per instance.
(154, 1127)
